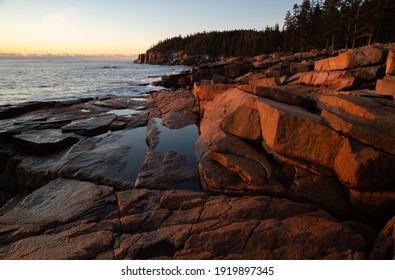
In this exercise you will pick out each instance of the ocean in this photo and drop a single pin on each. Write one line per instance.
(45, 79)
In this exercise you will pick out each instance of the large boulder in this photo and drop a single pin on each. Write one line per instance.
(338, 80)
(207, 92)
(386, 86)
(282, 94)
(243, 123)
(342, 79)
(363, 110)
(361, 166)
(217, 110)
(295, 132)
(367, 134)
(177, 109)
(365, 56)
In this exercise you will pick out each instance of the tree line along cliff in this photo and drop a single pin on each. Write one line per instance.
(328, 24)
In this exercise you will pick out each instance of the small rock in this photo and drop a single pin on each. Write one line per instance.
(90, 126)
(47, 140)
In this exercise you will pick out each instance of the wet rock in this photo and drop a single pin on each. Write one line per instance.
(100, 160)
(46, 140)
(384, 247)
(10, 111)
(119, 102)
(117, 125)
(60, 201)
(139, 120)
(90, 126)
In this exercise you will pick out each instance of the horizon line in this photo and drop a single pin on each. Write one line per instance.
(5, 54)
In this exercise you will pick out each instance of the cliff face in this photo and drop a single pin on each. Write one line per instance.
(172, 58)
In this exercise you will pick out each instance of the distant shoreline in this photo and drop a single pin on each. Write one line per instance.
(69, 57)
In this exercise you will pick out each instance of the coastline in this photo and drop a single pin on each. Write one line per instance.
(303, 161)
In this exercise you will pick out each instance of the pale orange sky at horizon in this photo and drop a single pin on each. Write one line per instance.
(120, 26)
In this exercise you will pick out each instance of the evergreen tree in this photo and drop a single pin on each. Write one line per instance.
(315, 24)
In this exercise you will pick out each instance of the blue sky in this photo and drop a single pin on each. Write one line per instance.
(121, 26)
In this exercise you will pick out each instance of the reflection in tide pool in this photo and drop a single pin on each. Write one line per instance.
(181, 141)
(135, 138)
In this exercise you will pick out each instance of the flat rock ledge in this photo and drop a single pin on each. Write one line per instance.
(281, 168)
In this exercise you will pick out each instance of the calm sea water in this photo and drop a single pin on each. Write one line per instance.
(36, 79)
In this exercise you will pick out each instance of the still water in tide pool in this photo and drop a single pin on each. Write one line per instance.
(39, 79)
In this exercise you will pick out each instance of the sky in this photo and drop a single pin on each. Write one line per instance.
(128, 27)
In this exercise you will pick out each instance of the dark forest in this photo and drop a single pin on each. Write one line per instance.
(329, 24)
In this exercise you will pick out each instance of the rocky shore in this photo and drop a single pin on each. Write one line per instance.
(173, 58)
(271, 157)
